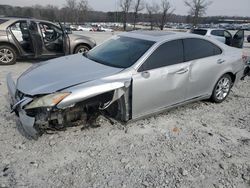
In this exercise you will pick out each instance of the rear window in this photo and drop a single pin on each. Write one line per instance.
(219, 33)
(199, 31)
(2, 21)
(198, 48)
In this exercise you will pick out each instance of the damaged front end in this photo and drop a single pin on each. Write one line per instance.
(74, 106)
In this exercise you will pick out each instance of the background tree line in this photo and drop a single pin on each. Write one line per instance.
(131, 11)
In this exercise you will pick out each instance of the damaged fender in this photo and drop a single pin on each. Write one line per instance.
(85, 91)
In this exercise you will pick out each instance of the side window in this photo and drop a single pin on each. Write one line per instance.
(167, 54)
(50, 32)
(20, 31)
(199, 48)
(219, 33)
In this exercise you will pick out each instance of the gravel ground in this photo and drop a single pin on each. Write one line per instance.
(197, 145)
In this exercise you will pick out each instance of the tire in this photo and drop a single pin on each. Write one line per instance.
(8, 55)
(222, 89)
(81, 49)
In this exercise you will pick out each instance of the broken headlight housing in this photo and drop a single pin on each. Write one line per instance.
(47, 100)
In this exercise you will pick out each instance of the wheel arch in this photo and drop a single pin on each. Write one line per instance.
(106, 93)
(81, 44)
(233, 76)
(12, 46)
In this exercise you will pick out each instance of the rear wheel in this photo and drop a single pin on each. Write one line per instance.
(81, 49)
(222, 89)
(7, 55)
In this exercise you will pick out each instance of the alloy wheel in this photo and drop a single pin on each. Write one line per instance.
(222, 88)
(82, 50)
(6, 56)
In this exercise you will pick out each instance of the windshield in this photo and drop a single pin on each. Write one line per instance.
(121, 52)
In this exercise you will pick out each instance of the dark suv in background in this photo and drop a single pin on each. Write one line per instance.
(22, 37)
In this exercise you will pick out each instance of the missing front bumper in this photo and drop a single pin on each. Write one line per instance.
(24, 122)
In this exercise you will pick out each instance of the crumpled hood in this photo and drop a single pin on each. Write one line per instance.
(60, 73)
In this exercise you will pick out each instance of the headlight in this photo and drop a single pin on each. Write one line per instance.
(47, 101)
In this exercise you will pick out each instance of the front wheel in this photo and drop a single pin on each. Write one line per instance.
(81, 49)
(7, 55)
(222, 89)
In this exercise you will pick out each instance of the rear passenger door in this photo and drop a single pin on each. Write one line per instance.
(206, 64)
(36, 38)
(161, 81)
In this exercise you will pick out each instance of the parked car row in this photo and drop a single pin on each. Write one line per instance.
(94, 28)
(20, 37)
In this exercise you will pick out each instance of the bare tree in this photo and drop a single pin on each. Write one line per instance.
(125, 6)
(71, 6)
(166, 12)
(83, 8)
(197, 8)
(138, 6)
(152, 9)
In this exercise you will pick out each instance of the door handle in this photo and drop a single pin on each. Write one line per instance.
(220, 61)
(182, 71)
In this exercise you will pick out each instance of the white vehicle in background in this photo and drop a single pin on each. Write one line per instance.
(105, 29)
(73, 27)
(222, 35)
(83, 28)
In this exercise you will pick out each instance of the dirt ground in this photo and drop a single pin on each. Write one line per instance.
(198, 145)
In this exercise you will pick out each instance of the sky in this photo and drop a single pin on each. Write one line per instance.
(218, 7)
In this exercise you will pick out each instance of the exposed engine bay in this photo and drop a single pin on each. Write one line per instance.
(85, 114)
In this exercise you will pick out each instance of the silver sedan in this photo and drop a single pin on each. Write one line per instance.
(130, 76)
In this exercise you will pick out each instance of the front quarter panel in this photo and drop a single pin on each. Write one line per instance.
(87, 90)
(76, 40)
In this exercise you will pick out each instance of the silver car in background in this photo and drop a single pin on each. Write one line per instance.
(32, 38)
(130, 76)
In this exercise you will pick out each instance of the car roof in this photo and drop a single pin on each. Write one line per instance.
(209, 29)
(158, 36)
(11, 20)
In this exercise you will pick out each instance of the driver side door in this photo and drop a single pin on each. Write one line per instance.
(161, 81)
